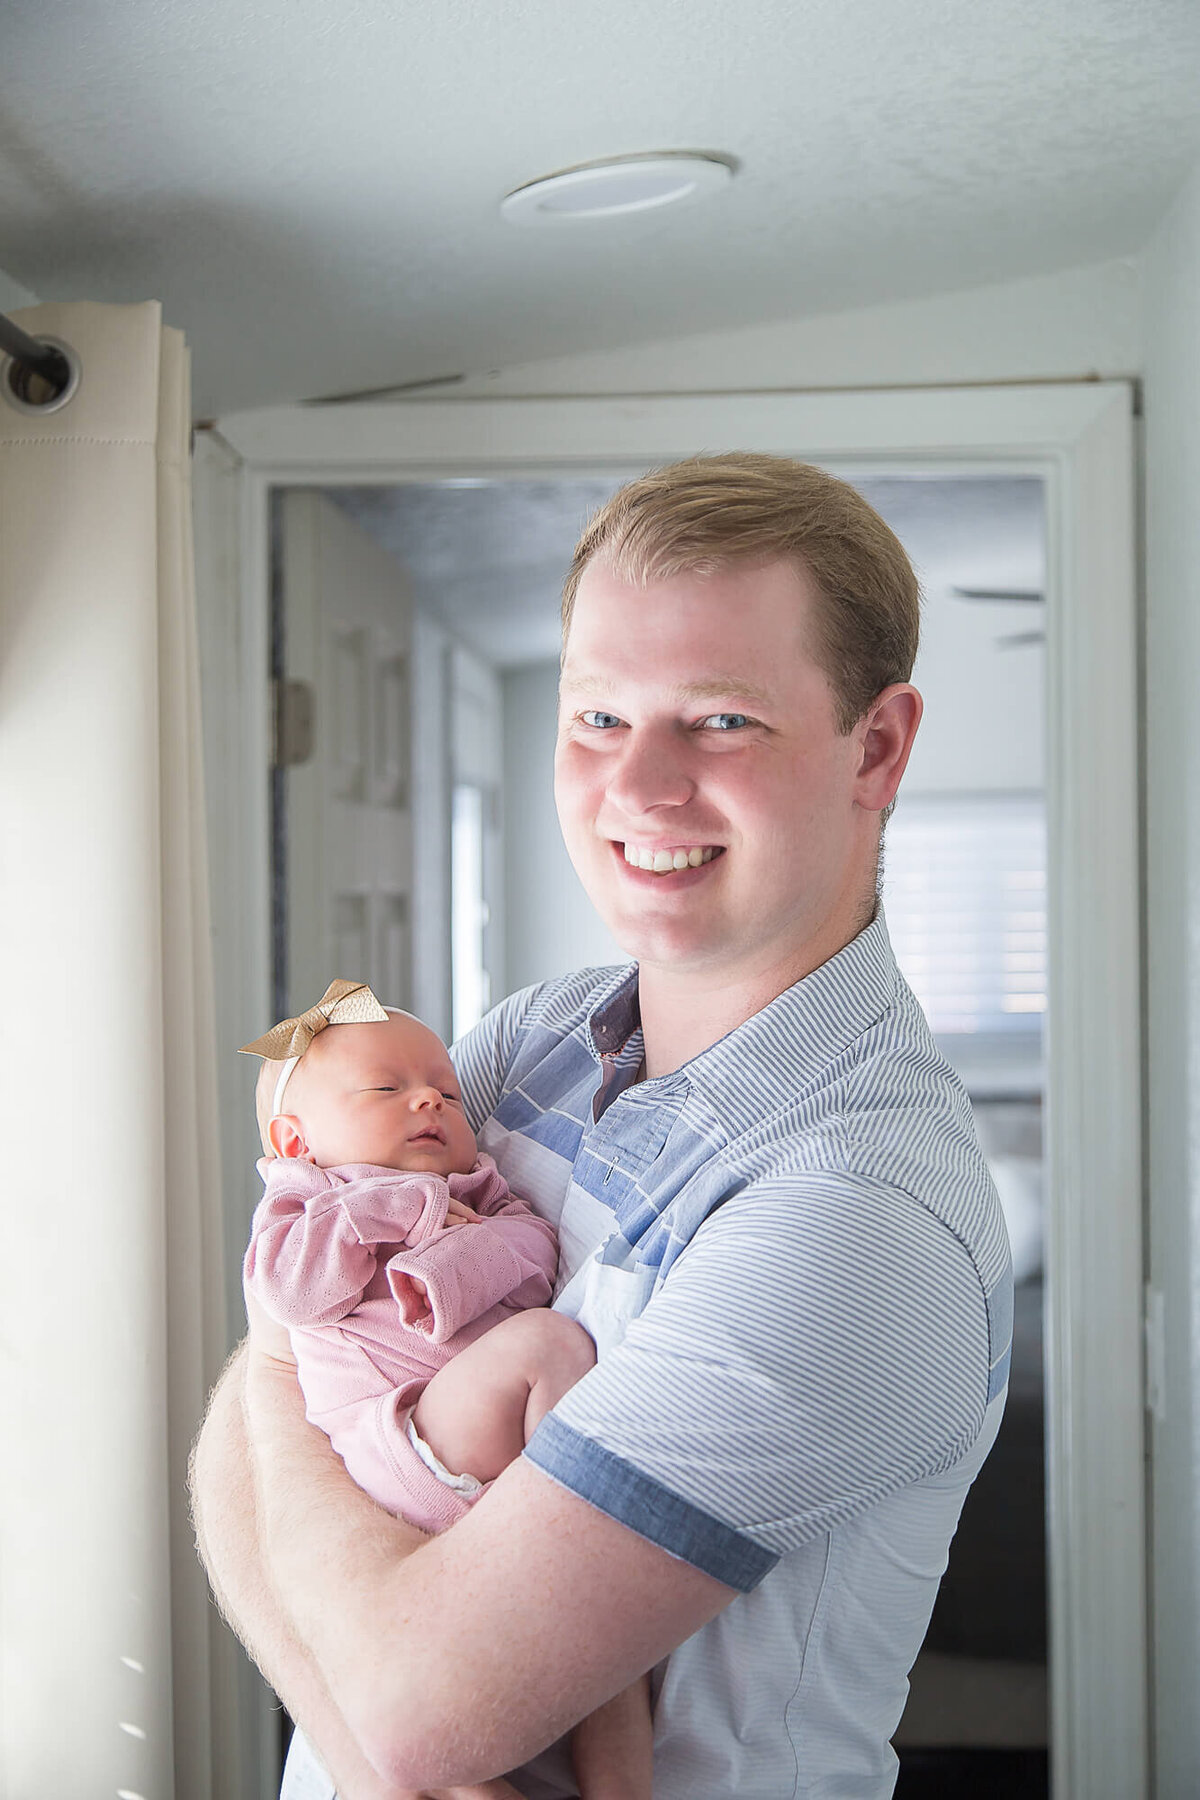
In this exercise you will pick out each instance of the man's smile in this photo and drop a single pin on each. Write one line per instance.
(666, 859)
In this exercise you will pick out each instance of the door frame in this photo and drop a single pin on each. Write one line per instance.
(1080, 438)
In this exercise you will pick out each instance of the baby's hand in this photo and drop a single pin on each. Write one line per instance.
(412, 1297)
(459, 1213)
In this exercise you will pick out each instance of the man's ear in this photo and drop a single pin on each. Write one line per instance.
(286, 1138)
(886, 731)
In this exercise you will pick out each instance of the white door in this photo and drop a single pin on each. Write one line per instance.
(344, 827)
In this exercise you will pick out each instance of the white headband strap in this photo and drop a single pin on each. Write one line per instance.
(284, 1077)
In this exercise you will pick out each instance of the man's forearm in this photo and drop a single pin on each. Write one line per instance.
(305, 1500)
(320, 1537)
(447, 1660)
(227, 1530)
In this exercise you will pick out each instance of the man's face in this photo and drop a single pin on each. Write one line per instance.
(381, 1093)
(695, 726)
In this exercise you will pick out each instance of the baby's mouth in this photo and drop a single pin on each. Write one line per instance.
(667, 859)
(432, 1134)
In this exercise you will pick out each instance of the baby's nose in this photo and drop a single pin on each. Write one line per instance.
(426, 1096)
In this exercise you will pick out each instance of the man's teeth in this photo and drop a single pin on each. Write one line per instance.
(664, 862)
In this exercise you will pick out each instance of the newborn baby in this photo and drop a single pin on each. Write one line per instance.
(390, 1249)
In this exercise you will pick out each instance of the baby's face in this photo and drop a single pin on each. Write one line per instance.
(385, 1094)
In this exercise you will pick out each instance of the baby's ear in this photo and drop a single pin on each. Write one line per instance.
(286, 1138)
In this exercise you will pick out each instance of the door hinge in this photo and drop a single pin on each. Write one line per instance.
(1156, 1354)
(294, 708)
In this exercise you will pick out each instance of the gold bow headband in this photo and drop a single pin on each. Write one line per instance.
(342, 1003)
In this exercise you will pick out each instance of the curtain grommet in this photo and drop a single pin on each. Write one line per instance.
(20, 386)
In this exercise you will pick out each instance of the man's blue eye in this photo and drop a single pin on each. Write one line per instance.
(726, 721)
(600, 721)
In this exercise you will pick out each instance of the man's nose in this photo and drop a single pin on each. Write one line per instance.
(653, 770)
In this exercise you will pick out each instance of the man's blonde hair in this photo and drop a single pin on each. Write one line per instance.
(711, 512)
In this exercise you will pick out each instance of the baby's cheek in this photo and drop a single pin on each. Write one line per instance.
(466, 1145)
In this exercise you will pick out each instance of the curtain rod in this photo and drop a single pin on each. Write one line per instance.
(35, 356)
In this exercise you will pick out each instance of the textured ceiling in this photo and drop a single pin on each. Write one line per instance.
(489, 557)
(312, 190)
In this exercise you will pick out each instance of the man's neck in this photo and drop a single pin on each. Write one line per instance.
(686, 1011)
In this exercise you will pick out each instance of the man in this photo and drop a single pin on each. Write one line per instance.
(773, 1214)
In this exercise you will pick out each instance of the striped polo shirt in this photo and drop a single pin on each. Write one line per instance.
(794, 1263)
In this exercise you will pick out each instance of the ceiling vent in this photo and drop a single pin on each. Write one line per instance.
(619, 186)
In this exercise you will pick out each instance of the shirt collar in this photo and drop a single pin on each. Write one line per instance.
(616, 1014)
(760, 1065)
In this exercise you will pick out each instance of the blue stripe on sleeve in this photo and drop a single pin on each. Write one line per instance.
(653, 1511)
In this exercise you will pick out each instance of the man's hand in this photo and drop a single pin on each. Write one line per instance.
(267, 1336)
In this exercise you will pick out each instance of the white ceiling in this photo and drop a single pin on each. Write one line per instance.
(488, 557)
(312, 189)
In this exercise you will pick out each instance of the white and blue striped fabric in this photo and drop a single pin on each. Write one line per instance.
(793, 1261)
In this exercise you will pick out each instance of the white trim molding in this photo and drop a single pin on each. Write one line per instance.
(233, 641)
(1095, 1223)
(1079, 439)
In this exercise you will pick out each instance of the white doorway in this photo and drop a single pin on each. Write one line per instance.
(1078, 442)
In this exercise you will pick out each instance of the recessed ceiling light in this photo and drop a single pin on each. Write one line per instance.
(622, 184)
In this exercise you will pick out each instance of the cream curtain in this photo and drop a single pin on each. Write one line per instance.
(111, 1320)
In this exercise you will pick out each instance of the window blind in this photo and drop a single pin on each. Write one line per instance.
(965, 897)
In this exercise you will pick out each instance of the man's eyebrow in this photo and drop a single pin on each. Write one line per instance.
(713, 687)
(581, 681)
(723, 687)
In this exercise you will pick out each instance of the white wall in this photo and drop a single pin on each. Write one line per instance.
(1076, 323)
(1172, 370)
(551, 926)
(13, 295)
(431, 802)
(476, 760)
(960, 671)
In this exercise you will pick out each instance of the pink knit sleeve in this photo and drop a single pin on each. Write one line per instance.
(315, 1234)
(510, 1257)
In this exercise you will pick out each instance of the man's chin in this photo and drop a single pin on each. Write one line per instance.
(668, 945)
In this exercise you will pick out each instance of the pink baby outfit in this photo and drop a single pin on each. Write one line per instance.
(325, 1245)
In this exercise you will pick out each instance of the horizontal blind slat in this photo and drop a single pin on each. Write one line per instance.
(964, 890)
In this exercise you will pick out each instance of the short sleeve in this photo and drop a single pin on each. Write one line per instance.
(482, 1057)
(822, 1343)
